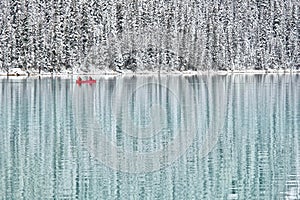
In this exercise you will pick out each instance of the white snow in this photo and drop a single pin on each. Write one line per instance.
(108, 72)
(17, 72)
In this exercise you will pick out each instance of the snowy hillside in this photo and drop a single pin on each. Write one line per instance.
(89, 35)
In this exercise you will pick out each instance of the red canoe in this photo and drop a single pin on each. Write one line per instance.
(85, 81)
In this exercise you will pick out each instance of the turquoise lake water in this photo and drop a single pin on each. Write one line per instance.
(151, 137)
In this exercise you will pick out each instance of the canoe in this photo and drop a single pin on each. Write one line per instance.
(85, 81)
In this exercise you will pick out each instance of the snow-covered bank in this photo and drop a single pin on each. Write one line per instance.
(23, 72)
(20, 72)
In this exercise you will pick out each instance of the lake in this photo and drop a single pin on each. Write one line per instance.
(151, 137)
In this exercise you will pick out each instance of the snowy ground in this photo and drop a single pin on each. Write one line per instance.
(20, 72)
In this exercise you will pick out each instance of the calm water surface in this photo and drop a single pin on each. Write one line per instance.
(150, 137)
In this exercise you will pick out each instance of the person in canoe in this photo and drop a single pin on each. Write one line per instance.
(90, 78)
(79, 78)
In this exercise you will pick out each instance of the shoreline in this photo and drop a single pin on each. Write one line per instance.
(17, 72)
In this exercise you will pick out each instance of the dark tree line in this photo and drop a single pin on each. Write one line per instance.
(55, 35)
